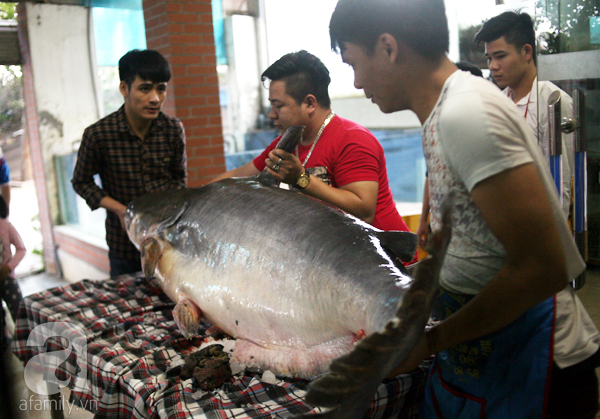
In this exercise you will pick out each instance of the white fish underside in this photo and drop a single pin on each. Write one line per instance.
(292, 322)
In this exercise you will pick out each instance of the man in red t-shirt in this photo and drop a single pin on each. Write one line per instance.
(337, 161)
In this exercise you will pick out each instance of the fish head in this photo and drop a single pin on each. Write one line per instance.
(148, 215)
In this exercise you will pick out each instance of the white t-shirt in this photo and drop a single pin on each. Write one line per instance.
(534, 107)
(475, 132)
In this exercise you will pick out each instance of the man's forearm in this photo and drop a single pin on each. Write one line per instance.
(113, 205)
(345, 199)
(516, 207)
(499, 304)
(249, 169)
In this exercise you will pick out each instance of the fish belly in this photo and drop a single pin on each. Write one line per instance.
(292, 334)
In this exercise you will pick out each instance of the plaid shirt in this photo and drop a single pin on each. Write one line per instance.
(128, 167)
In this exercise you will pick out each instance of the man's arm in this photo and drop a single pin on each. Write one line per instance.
(423, 229)
(249, 169)
(568, 153)
(179, 166)
(357, 198)
(115, 206)
(83, 175)
(516, 208)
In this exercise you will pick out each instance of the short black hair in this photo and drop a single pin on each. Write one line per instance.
(516, 27)
(420, 24)
(3, 208)
(148, 64)
(471, 68)
(303, 74)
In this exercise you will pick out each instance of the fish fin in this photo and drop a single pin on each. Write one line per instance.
(187, 315)
(402, 244)
(171, 220)
(151, 251)
(288, 142)
(355, 376)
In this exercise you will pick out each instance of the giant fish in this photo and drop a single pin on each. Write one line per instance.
(295, 281)
(354, 377)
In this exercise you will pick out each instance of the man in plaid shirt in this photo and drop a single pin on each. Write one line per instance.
(135, 150)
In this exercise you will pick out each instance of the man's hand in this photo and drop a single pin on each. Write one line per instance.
(116, 207)
(423, 232)
(284, 166)
(246, 170)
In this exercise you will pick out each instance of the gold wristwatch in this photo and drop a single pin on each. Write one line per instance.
(303, 180)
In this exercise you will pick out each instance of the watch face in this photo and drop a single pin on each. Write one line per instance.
(303, 181)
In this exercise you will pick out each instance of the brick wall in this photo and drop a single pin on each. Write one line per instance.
(183, 32)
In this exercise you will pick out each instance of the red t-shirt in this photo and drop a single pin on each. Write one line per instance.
(347, 153)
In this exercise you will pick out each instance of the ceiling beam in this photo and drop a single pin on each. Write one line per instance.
(68, 2)
(10, 54)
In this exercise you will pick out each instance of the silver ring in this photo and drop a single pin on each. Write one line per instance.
(279, 162)
(276, 167)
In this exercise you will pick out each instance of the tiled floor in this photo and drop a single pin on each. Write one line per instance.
(34, 404)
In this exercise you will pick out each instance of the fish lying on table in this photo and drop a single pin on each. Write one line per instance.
(347, 391)
(296, 281)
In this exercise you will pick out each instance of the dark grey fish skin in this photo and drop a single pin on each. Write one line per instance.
(294, 279)
(347, 391)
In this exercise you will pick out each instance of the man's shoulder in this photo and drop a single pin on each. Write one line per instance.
(462, 82)
(547, 85)
(170, 121)
(109, 122)
(347, 123)
(546, 88)
(473, 110)
(470, 95)
(347, 126)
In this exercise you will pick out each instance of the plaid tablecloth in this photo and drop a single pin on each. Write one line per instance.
(120, 353)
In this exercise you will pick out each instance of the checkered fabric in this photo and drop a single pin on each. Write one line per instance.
(124, 353)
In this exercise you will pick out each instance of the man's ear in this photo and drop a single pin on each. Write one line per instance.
(311, 102)
(123, 88)
(527, 52)
(390, 46)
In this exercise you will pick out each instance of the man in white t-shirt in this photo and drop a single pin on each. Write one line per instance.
(515, 341)
(509, 40)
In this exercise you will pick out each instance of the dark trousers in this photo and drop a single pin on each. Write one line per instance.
(121, 266)
(10, 292)
(574, 390)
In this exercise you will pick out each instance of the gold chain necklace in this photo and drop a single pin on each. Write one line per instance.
(327, 120)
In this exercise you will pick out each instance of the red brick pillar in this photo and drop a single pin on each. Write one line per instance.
(32, 134)
(182, 31)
